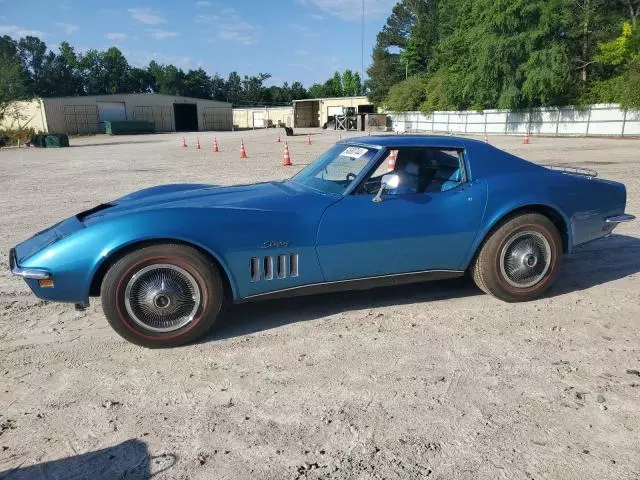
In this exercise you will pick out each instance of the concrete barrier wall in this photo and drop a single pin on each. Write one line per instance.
(593, 120)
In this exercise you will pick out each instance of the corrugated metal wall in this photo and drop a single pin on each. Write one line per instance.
(80, 114)
(272, 116)
(307, 114)
(160, 115)
(215, 117)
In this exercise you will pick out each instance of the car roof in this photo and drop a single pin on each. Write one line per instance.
(412, 141)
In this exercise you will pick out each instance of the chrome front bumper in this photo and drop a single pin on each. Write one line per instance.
(620, 218)
(33, 273)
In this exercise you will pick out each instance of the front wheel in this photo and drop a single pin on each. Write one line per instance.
(520, 259)
(162, 295)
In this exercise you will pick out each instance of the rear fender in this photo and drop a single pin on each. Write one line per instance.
(492, 219)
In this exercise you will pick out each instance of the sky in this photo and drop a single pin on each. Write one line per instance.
(293, 40)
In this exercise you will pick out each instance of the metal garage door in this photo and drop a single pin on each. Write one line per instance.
(258, 119)
(111, 111)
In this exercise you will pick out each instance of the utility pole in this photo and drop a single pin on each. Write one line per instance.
(362, 50)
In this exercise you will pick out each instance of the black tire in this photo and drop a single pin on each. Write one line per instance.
(197, 295)
(491, 269)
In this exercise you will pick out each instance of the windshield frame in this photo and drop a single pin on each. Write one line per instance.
(356, 181)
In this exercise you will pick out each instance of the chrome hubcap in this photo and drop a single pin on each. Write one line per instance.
(525, 259)
(162, 298)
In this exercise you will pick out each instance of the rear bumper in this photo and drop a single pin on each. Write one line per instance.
(30, 273)
(620, 218)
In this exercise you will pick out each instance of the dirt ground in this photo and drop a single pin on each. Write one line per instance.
(430, 381)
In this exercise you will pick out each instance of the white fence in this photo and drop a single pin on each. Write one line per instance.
(593, 120)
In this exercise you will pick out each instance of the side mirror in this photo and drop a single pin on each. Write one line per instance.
(389, 181)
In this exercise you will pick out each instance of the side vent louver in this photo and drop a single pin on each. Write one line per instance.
(255, 269)
(268, 268)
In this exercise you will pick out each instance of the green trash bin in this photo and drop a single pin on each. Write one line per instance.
(56, 140)
(37, 141)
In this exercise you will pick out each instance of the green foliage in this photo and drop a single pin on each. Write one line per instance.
(617, 51)
(385, 71)
(411, 28)
(13, 77)
(510, 54)
(18, 135)
(339, 85)
(407, 95)
(621, 56)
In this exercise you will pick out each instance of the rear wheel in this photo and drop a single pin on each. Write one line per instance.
(162, 295)
(520, 259)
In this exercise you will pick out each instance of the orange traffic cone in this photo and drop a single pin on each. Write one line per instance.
(279, 141)
(215, 145)
(391, 163)
(243, 152)
(526, 139)
(286, 159)
(198, 143)
(184, 143)
(308, 139)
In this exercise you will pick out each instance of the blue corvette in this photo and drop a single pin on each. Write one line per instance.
(368, 212)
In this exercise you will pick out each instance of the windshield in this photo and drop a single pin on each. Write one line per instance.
(335, 169)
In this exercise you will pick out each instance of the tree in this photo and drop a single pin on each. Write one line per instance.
(140, 81)
(218, 88)
(234, 88)
(167, 79)
(116, 71)
(13, 78)
(404, 45)
(351, 84)
(33, 52)
(197, 84)
(384, 72)
(253, 89)
(407, 95)
(633, 8)
(622, 55)
(297, 91)
(317, 90)
(61, 74)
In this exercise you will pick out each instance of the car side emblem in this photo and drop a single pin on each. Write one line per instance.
(275, 244)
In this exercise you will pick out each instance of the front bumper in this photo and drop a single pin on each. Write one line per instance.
(32, 273)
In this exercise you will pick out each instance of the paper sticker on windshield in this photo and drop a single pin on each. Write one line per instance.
(354, 152)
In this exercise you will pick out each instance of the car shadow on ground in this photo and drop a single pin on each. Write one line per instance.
(243, 319)
(596, 263)
(129, 460)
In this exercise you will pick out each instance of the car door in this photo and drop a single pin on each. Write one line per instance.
(406, 232)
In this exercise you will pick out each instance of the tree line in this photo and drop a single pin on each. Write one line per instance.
(508, 54)
(29, 69)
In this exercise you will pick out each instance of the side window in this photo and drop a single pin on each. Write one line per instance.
(421, 170)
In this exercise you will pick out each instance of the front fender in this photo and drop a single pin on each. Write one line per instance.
(75, 259)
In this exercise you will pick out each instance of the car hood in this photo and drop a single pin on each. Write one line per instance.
(259, 196)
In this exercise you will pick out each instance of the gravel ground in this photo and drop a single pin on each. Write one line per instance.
(433, 380)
